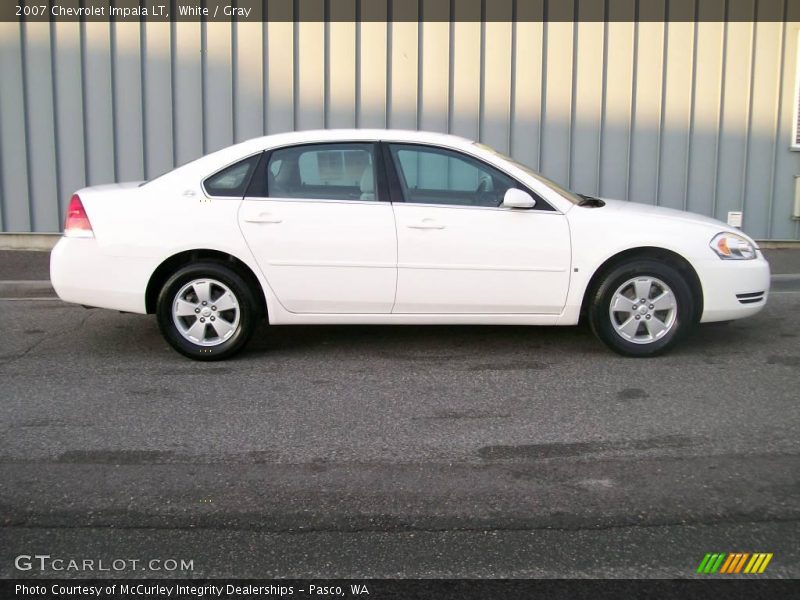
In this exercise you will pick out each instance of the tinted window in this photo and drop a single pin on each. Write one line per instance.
(321, 172)
(431, 175)
(232, 180)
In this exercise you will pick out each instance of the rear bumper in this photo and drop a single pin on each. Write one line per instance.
(733, 289)
(81, 272)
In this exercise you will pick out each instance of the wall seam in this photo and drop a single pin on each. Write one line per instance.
(692, 101)
(143, 92)
(778, 111)
(634, 85)
(56, 123)
(26, 120)
(603, 104)
(389, 41)
(543, 90)
(172, 70)
(482, 78)
(357, 80)
(662, 101)
(721, 117)
(86, 140)
(749, 117)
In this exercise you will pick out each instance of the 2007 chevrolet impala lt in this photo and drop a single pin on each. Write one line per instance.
(374, 226)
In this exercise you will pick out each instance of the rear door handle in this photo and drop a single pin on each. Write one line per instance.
(426, 224)
(263, 217)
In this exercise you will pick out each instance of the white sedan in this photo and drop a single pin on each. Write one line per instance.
(394, 227)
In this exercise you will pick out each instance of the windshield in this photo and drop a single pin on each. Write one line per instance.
(568, 195)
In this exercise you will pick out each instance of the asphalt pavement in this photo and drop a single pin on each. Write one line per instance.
(396, 451)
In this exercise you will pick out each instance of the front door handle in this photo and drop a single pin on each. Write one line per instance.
(426, 224)
(263, 217)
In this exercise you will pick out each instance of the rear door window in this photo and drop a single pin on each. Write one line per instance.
(321, 172)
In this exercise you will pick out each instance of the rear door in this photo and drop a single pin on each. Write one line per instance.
(459, 251)
(320, 231)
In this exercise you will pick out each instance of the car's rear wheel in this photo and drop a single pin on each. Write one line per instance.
(206, 311)
(641, 308)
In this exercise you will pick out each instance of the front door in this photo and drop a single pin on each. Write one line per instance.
(460, 252)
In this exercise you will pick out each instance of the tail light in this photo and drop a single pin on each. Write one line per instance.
(77, 222)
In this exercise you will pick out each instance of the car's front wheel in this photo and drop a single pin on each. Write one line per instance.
(641, 308)
(206, 311)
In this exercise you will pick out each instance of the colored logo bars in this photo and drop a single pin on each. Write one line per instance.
(734, 562)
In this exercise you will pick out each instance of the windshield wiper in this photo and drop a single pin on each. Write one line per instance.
(590, 201)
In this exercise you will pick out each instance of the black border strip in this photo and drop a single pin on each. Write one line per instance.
(393, 10)
(439, 589)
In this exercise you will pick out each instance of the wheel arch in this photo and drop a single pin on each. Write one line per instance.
(176, 261)
(643, 252)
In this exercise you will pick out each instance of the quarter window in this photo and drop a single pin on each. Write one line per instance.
(437, 176)
(232, 180)
(322, 172)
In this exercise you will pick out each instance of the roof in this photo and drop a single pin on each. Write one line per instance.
(320, 135)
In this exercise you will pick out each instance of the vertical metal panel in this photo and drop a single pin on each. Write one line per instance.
(676, 114)
(98, 98)
(496, 101)
(309, 75)
(68, 95)
(465, 93)
(403, 75)
(615, 142)
(371, 58)
(248, 81)
(187, 107)
(157, 76)
(689, 115)
(217, 86)
(766, 77)
(279, 82)
(340, 82)
(434, 76)
(527, 86)
(128, 105)
(735, 114)
(15, 211)
(40, 128)
(786, 163)
(645, 134)
(587, 112)
(703, 145)
(557, 113)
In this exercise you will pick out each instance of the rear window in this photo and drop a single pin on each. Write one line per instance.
(232, 181)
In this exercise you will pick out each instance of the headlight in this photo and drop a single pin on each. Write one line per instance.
(731, 246)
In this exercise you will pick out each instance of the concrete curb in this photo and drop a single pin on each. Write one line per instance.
(40, 242)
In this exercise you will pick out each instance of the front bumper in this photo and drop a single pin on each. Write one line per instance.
(81, 272)
(733, 289)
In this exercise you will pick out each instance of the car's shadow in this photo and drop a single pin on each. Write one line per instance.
(430, 338)
(442, 341)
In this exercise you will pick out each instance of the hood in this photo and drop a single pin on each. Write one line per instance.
(660, 212)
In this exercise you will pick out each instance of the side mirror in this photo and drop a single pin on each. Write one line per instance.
(516, 198)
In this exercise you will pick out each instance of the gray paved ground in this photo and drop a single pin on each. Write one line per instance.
(384, 451)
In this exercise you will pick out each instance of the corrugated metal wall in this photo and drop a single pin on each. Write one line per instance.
(687, 115)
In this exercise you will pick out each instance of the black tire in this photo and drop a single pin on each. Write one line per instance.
(247, 310)
(603, 293)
